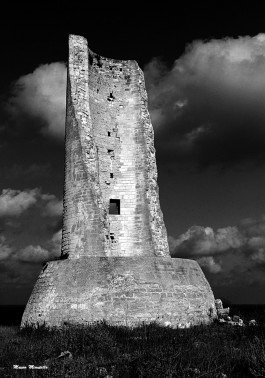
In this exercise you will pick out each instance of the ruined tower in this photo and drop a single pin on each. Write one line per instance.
(115, 262)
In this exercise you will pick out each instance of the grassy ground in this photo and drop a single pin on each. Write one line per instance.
(216, 351)
(147, 351)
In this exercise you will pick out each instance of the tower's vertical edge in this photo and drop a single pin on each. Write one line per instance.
(156, 221)
(83, 223)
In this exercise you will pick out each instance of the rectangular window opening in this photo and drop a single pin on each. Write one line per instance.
(108, 133)
(111, 154)
(111, 175)
(114, 206)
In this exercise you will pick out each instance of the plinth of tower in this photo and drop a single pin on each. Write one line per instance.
(121, 291)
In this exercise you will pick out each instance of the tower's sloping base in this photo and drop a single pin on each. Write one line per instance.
(121, 290)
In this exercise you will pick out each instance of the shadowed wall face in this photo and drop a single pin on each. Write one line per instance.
(111, 201)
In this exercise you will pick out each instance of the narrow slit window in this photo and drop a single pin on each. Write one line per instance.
(108, 133)
(114, 206)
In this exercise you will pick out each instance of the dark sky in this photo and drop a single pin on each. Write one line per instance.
(205, 77)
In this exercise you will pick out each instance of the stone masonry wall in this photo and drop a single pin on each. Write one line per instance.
(108, 127)
(85, 221)
(121, 290)
(115, 109)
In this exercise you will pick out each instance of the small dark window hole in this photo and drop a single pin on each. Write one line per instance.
(114, 206)
(111, 175)
(111, 154)
(108, 133)
(111, 97)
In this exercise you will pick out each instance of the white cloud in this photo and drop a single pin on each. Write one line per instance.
(209, 106)
(259, 255)
(42, 94)
(226, 61)
(202, 241)
(37, 253)
(5, 250)
(32, 253)
(53, 206)
(218, 64)
(210, 264)
(57, 238)
(15, 202)
(55, 244)
(20, 266)
(232, 251)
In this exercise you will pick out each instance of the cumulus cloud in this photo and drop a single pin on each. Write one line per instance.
(30, 241)
(210, 264)
(203, 241)
(33, 253)
(5, 249)
(55, 243)
(208, 108)
(232, 251)
(41, 95)
(38, 254)
(53, 206)
(15, 202)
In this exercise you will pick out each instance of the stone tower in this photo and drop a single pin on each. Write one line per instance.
(115, 262)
